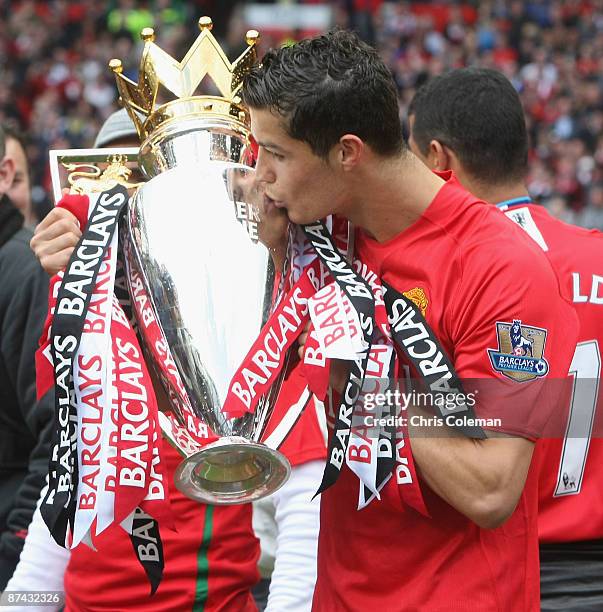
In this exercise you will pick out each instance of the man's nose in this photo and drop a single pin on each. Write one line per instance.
(263, 171)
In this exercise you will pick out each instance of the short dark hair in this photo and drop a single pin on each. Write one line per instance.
(477, 113)
(328, 86)
(2, 143)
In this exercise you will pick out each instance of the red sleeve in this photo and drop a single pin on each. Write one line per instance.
(77, 205)
(512, 337)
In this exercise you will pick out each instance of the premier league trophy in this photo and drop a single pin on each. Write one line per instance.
(202, 256)
(193, 239)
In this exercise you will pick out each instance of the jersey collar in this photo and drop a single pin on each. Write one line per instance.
(506, 204)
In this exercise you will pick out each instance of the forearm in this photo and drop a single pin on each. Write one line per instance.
(482, 479)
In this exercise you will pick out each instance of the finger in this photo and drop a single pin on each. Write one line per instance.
(56, 262)
(54, 216)
(50, 248)
(60, 227)
(302, 339)
(44, 248)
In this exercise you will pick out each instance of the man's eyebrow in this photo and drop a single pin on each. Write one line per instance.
(269, 145)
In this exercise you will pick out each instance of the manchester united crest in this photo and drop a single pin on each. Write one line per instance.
(418, 297)
(520, 353)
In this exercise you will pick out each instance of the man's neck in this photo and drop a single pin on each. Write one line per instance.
(392, 196)
(494, 194)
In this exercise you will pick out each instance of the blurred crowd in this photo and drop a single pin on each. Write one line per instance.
(55, 86)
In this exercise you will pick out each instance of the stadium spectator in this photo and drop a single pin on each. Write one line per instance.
(20, 191)
(592, 215)
(25, 424)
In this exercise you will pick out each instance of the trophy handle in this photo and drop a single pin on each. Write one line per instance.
(65, 165)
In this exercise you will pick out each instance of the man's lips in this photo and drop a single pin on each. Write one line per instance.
(272, 202)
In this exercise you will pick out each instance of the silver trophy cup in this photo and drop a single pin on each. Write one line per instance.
(201, 250)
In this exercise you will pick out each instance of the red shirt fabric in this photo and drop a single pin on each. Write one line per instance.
(210, 562)
(571, 489)
(461, 254)
(307, 439)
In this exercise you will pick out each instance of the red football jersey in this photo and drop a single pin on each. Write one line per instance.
(210, 562)
(571, 483)
(476, 288)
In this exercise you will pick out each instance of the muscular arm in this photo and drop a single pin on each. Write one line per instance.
(482, 479)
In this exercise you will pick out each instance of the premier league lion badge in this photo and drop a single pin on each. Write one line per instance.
(520, 354)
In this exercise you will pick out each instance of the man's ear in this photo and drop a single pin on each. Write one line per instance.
(349, 151)
(7, 174)
(439, 156)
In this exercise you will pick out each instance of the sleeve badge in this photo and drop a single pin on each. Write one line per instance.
(520, 353)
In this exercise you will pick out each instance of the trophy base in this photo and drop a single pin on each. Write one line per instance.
(232, 471)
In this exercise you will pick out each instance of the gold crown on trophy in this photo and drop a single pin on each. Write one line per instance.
(205, 57)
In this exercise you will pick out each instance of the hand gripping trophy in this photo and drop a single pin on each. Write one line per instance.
(204, 262)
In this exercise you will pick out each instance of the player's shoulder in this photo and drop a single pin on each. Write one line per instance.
(496, 244)
(545, 220)
(567, 246)
(486, 248)
(480, 233)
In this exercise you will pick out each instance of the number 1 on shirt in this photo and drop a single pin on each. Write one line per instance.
(586, 369)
